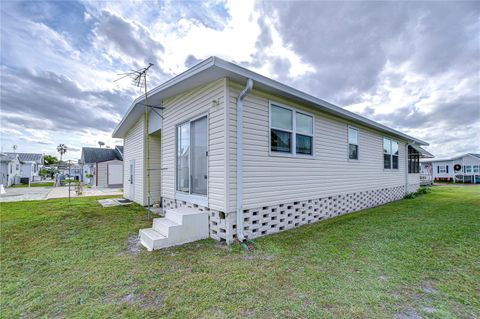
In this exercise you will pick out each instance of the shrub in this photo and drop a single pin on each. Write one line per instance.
(423, 190)
(410, 196)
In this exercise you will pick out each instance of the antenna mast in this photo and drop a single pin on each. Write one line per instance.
(139, 78)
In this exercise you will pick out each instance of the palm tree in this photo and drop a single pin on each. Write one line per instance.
(62, 149)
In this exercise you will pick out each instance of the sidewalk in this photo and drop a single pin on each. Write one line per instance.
(62, 192)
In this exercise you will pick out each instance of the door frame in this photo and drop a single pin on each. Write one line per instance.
(189, 197)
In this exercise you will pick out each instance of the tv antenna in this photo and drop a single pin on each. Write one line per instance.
(139, 79)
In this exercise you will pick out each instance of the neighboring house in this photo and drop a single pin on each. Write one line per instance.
(102, 167)
(31, 164)
(460, 169)
(256, 156)
(70, 171)
(10, 169)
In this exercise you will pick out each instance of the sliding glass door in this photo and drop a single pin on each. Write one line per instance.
(192, 152)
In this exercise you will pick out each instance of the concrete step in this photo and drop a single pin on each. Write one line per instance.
(180, 226)
(165, 226)
(177, 214)
(152, 239)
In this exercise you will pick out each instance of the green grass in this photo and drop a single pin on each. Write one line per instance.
(46, 184)
(413, 257)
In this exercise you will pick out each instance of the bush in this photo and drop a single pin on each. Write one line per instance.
(423, 190)
(410, 196)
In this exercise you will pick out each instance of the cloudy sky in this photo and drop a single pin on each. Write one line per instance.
(412, 66)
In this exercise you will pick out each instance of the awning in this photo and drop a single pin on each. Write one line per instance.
(423, 153)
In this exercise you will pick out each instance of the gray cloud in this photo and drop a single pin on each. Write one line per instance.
(462, 112)
(191, 60)
(350, 43)
(48, 101)
(129, 38)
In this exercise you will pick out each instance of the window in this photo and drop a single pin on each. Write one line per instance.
(390, 154)
(467, 169)
(413, 161)
(476, 169)
(291, 131)
(352, 143)
(442, 169)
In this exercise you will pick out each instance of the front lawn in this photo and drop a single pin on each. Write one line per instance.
(412, 258)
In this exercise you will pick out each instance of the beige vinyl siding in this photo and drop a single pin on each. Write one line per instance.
(270, 180)
(103, 172)
(134, 149)
(413, 179)
(181, 108)
(155, 167)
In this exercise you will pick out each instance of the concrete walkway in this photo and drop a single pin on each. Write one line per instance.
(62, 192)
(16, 194)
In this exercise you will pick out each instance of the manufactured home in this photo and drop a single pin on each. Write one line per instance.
(233, 155)
(463, 168)
(30, 165)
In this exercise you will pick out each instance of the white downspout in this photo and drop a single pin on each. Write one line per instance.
(406, 168)
(240, 98)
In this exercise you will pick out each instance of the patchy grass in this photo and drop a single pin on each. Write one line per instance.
(46, 184)
(412, 258)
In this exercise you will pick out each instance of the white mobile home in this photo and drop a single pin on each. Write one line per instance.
(10, 169)
(255, 156)
(459, 169)
(30, 165)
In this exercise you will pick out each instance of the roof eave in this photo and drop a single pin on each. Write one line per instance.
(117, 133)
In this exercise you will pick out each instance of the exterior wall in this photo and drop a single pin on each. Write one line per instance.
(26, 170)
(155, 168)
(13, 172)
(205, 100)
(4, 174)
(102, 172)
(450, 165)
(88, 169)
(273, 180)
(134, 149)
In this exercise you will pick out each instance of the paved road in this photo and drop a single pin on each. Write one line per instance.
(16, 194)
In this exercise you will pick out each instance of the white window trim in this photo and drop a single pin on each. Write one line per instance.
(184, 196)
(358, 143)
(391, 154)
(293, 153)
(442, 168)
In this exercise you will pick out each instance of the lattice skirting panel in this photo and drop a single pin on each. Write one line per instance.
(273, 219)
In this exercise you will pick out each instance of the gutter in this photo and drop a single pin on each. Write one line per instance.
(243, 94)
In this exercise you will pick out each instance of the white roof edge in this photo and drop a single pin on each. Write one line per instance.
(449, 159)
(234, 68)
